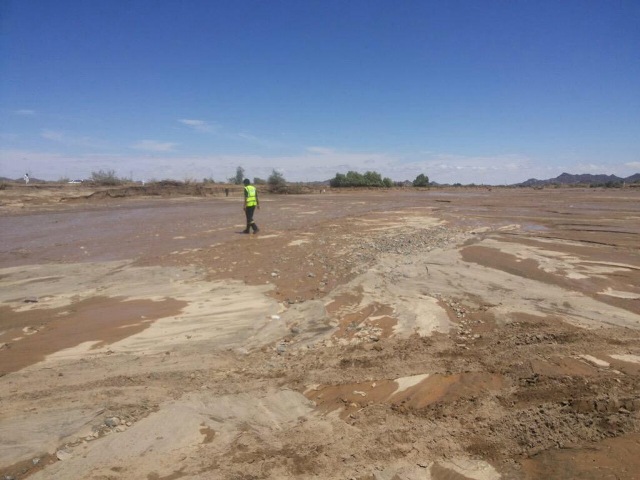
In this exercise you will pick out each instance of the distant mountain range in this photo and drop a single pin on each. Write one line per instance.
(584, 179)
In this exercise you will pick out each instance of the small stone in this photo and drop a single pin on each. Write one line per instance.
(112, 422)
(63, 455)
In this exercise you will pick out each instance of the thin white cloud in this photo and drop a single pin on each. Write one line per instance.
(25, 112)
(246, 137)
(52, 135)
(321, 150)
(305, 166)
(591, 168)
(154, 146)
(199, 125)
(68, 140)
(203, 126)
(451, 168)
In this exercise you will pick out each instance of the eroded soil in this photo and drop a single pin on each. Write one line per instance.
(438, 334)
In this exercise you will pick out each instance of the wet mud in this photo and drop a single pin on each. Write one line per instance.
(445, 334)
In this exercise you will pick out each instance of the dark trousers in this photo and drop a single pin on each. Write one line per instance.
(248, 211)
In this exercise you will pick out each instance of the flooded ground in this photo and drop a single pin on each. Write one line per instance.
(443, 334)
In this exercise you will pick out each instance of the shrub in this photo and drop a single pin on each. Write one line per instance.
(105, 178)
(421, 181)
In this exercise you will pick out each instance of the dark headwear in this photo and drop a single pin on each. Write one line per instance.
(247, 181)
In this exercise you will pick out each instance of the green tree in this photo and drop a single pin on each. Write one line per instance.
(421, 181)
(239, 177)
(338, 181)
(354, 179)
(372, 179)
(276, 179)
(259, 181)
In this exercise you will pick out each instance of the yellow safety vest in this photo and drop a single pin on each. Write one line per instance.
(251, 196)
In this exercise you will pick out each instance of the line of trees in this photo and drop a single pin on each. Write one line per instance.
(277, 182)
(356, 179)
(371, 179)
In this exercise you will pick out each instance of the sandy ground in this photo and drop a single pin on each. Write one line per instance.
(438, 334)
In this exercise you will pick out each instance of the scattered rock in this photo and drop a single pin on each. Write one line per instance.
(112, 422)
(63, 455)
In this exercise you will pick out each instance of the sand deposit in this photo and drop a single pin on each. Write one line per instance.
(435, 334)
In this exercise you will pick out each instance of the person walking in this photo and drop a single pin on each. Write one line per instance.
(250, 203)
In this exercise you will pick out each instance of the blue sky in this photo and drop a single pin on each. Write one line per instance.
(474, 91)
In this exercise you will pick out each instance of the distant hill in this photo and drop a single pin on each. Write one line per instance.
(584, 179)
(633, 178)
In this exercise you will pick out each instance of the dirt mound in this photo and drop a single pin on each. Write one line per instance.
(160, 189)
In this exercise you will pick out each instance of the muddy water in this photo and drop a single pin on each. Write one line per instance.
(29, 337)
(114, 229)
(119, 230)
